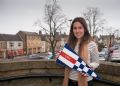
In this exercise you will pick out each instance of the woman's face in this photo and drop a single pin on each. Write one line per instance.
(78, 30)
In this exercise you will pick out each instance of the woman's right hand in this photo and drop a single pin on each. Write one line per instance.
(85, 75)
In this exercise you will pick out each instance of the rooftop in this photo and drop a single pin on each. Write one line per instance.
(9, 37)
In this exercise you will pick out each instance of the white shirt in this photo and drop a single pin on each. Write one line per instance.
(93, 60)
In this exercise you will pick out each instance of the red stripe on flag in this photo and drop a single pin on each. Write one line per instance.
(68, 57)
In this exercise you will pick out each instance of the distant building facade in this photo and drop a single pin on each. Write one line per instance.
(28, 43)
(60, 38)
(64, 38)
(45, 45)
(10, 45)
(31, 42)
(107, 40)
(3, 49)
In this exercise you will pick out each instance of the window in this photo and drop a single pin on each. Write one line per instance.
(11, 44)
(34, 50)
(19, 44)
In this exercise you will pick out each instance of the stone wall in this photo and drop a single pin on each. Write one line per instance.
(47, 73)
(109, 71)
(30, 73)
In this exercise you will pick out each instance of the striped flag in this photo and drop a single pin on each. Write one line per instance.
(68, 57)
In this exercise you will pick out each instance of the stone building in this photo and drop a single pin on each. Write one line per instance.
(60, 38)
(31, 42)
(107, 39)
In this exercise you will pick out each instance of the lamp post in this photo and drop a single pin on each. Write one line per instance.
(110, 45)
(102, 30)
(70, 20)
(113, 34)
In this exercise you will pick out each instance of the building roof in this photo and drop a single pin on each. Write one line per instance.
(63, 35)
(106, 36)
(29, 33)
(9, 37)
(58, 36)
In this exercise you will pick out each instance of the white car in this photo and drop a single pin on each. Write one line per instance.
(103, 54)
(35, 56)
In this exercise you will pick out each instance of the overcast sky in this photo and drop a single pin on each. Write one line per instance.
(18, 15)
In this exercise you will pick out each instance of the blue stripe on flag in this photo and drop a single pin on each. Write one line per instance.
(81, 66)
(69, 48)
(75, 67)
(60, 63)
(99, 78)
(79, 60)
(89, 72)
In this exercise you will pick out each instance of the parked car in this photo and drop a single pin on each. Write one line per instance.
(116, 47)
(35, 56)
(103, 54)
(115, 55)
(101, 57)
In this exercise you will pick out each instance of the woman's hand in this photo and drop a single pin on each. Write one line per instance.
(85, 75)
(57, 55)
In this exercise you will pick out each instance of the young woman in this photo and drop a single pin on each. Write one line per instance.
(82, 43)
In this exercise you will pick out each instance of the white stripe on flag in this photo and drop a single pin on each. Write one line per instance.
(68, 52)
(79, 69)
(67, 62)
(93, 74)
(83, 63)
(85, 69)
(77, 63)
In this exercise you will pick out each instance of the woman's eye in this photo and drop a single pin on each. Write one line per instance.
(80, 27)
(74, 28)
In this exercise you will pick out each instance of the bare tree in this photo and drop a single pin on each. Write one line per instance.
(112, 32)
(54, 23)
(94, 20)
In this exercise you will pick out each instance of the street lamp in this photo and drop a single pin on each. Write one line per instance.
(70, 20)
(113, 34)
(102, 30)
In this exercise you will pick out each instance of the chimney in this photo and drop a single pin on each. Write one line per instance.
(40, 32)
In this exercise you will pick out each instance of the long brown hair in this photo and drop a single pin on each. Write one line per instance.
(72, 40)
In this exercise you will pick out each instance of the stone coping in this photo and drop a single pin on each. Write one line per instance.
(110, 68)
(107, 70)
(27, 64)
